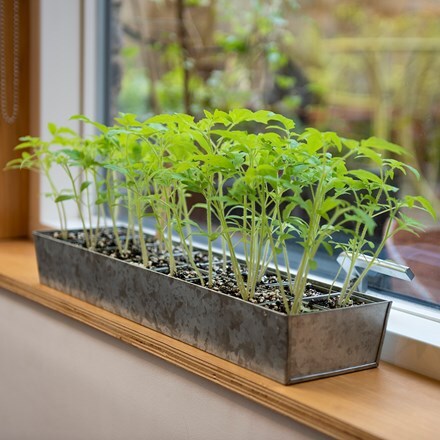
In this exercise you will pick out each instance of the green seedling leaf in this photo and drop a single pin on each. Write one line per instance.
(351, 144)
(101, 127)
(84, 185)
(409, 224)
(370, 244)
(213, 236)
(382, 144)
(127, 120)
(72, 154)
(52, 128)
(67, 130)
(240, 115)
(328, 247)
(222, 199)
(425, 204)
(365, 175)
(23, 145)
(64, 197)
(370, 154)
(208, 114)
(117, 168)
(329, 204)
(216, 161)
(287, 123)
(101, 201)
(185, 121)
(413, 170)
(394, 164)
(266, 170)
(359, 216)
(238, 136)
(164, 120)
(199, 205)
(332, 138)
(202, 141)
(313, 264)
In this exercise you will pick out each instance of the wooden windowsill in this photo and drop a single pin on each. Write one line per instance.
(386, 402)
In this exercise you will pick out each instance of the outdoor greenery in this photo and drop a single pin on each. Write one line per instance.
(362, 69)
(261, 184)
(210, 54)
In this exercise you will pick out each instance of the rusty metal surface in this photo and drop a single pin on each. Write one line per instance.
(286, 349)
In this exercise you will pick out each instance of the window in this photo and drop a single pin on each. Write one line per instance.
(354, 68)
(112, 70)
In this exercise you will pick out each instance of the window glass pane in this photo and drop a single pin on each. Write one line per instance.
(358, 68)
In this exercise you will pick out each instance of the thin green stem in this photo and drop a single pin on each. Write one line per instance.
(234, 261)
(89, 214)
(209, 231)
(77, 199)
(130, 222)
(278, 275)
(99, 207)
(111, 203)
(169, 236)
(223, 242)
(60, 209)
(139, 215)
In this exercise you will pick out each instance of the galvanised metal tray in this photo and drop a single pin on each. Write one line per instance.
(288, 349)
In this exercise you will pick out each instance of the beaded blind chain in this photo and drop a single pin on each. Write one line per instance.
(9, 118)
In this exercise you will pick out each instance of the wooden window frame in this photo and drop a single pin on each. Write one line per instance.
(15, 195)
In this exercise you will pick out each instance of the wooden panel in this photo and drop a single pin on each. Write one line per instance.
(34, 117)
(387, 402)
(14, 185)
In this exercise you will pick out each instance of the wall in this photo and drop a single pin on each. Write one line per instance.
(62, 380)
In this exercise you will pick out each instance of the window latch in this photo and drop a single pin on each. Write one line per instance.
(384, 267)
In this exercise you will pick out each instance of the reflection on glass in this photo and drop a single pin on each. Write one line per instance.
(358, 68)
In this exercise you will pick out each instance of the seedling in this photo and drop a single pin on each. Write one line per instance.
(262, 184)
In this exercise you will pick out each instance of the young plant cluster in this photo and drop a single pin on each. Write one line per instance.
(261, 183)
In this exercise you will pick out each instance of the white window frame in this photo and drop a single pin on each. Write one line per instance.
(413, 336)
(68, 80)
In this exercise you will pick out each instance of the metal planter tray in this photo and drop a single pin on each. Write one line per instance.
(288, 349)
